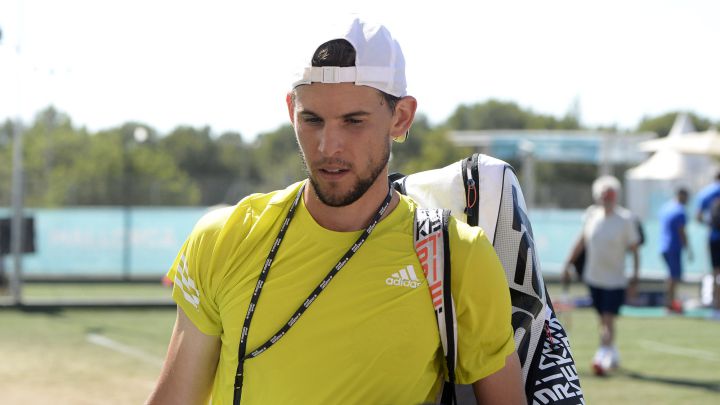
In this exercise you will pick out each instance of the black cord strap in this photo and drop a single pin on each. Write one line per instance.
(310, 299)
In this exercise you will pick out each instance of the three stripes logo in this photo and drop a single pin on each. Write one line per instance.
(187, 284)
(404, 278)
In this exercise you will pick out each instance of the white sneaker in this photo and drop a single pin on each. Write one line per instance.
(602, 361)
(600, 354)
(614, 358)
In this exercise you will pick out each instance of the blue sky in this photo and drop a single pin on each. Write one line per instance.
(228, 64)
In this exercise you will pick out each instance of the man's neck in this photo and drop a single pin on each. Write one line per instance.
(352, 217)
(609, 209)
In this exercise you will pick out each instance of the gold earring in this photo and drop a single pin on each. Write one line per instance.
(402, 138)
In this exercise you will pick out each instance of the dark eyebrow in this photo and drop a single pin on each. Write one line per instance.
(307, 112)
(354, 114)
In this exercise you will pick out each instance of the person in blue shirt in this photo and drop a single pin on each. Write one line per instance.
(673, 239)
(709, 213)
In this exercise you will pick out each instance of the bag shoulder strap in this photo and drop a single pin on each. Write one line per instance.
(432, 245)
(471, 179)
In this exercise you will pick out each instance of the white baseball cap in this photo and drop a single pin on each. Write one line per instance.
(379, 61)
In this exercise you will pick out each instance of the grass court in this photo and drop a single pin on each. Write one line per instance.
(113, 355)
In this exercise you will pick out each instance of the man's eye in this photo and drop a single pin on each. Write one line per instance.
(353, 121)
(312, 120)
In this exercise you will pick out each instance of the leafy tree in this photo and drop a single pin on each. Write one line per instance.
(436, 151)
(197, 154)
(156, 179)
(409, 151)
(244, 175)
(65, 165)
(662, 124)
(278, 158)
(50, 145)
(115, 171)
(494, 114)
(6, 133)
(193, 149)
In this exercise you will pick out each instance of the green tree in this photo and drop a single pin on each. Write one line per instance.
(156, 179)
(51, 148)
(116, 170)
(6, 132)
(197, 154)
(278, 158)
(64, 166)
(438, 151)
(403, 154)
(662, 124)
(238, 159)
(494, 114)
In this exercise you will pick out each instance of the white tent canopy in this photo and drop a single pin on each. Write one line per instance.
(653, 182)
(696, 143)
(668, 165)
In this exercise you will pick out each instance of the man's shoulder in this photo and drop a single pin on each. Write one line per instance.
(247, 209)
(678, 210)
(714, 190)
(712, 187)
(671, 209)
(214, 219)
(625, 214)
(592, 211)
(259, 201)
(709, 192)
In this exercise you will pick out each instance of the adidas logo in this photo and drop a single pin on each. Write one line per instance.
(404, 278)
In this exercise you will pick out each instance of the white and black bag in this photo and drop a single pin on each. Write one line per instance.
(484, 191)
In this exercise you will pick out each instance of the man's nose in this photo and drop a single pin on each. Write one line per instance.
(331, 140)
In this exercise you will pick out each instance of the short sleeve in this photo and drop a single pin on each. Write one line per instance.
(632, 231)
(681, 219)
(585, 218)
(703, 202)
(193, 278)
(482, 303)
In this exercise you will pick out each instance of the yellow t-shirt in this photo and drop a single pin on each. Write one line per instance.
(366, 339)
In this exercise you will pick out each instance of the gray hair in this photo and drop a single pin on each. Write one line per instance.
(603, 183)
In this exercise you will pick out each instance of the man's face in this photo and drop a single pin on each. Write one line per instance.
(344, 134)
(608, 197)
(682, 197)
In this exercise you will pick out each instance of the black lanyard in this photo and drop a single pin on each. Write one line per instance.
(310, 299)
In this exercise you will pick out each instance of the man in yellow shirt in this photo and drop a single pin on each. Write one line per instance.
(314, 294)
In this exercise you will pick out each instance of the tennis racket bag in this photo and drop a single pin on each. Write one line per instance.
(483, 191)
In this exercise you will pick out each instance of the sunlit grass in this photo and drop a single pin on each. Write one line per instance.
(48, 358)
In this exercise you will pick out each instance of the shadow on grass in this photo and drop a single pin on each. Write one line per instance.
(712, 386)
(45, 310)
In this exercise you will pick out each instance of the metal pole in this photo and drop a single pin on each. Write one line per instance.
(606, 167)
(16, 193)
(127, 241)
(127, 220)
(527, 153)
(16, 236)
(139, 136)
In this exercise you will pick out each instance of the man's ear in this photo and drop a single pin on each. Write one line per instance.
(403, 116)
(291, 107)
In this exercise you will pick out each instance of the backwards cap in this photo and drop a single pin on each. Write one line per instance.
(379, 62)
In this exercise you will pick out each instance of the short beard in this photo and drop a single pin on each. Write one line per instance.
(357, 191)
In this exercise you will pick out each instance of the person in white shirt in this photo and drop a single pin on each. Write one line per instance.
(609, 232)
